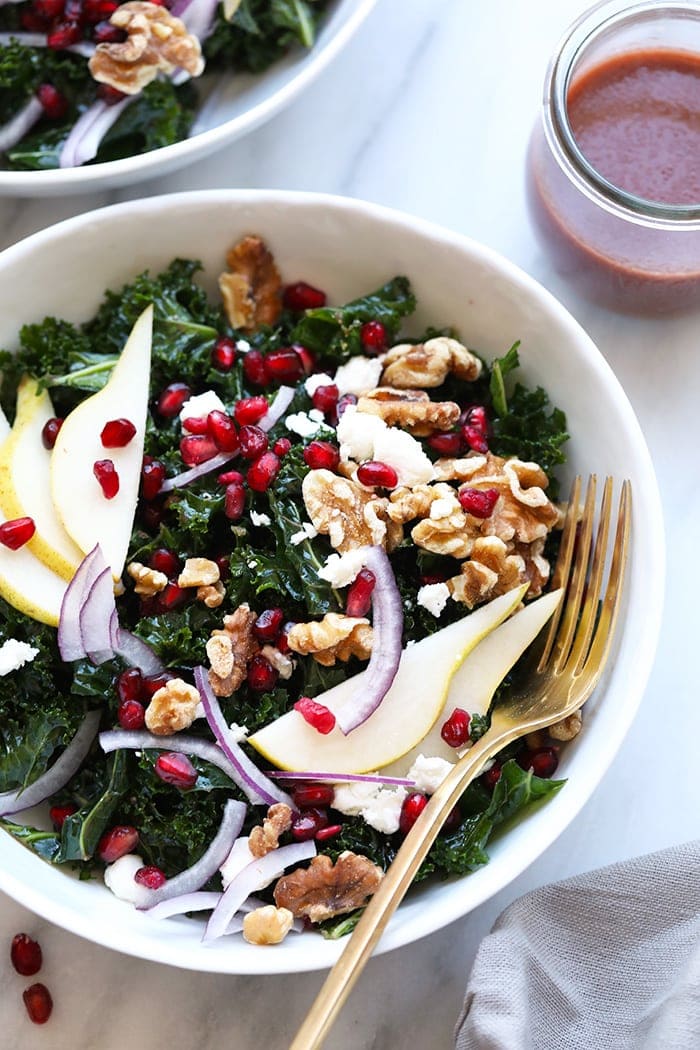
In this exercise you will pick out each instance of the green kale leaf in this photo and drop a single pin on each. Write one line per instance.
(82, 831)
(532, 432)
(44, 843)
(261, 31)
(161, 115)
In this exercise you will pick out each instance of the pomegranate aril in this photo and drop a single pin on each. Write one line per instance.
(317, 715)
(478, 502)
(49, 9)
(55, 104)
(446, 444)
(491, 777)
(63, 34)
(196, 449)
(307, 825)
(117, 433)
(328, 833)
(343, 402)
(303, 296)
(475, 438)
(282, 446)
(427, 578)
(59, 814)
(475, 416)
(117, 842)
(455, 730)
(171, 597)
(253, 441)
(268, 624)
(543, 762)
(107, 477)
(325, 398)
(164, 560)
(49, 432)
(222, 431)
(307, 358)
(263, 472)
(255, 368)
(131, 715)
(39, 1004)
(98, 10)
(262, 676)
(378, 474)
(129, 685)
(25, 954)
(223, 356)
(234, 501)
(310, 795)
(413, 806)
(151, 877)
(15, 533)
(284, 366)
(321, 455)
(173, 768)
(171, 400)
(359, 599)
(110, 96)
(373, 337)
(224, 563)
(153, 682)
(250, 410)
(229, 477)
(196, 425)
(33, 23)
(281, 641)
(73, 10)
(104, 33)
(152, 477)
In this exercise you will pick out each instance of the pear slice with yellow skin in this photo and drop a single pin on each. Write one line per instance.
(87, 515)
(473, 685)
(29, 586)
(404, 716)
(25, 482)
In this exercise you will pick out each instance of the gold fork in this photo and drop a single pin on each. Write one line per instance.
(572, 655)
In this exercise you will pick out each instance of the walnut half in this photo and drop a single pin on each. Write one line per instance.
(252, 290)
(325, 889)
(335, 637)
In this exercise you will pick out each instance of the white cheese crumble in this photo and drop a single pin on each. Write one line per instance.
(429, 773)
(119, 878)
(358, 375)
(238, 733)
(378, 805)
(356, 433)
(259, 519)
(352, 797)
(314, 382)
(15, 654)
(306, 532)
(243, 346)
(363, 436)
(283, 664)
(199, 406)
(341, 569)
(433, 597)
(305, 424)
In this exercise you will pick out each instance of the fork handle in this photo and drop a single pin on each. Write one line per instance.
(342, 977)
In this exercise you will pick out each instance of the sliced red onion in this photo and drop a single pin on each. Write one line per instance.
(95, 618)
(387, 624)
(88, 131)
(58, 775)
(342, 778)
(252, 780)
(187, 476)
(133, 650)
(199, 901)
(280, 403)
(22, 122)
(84, 47)
(254, 876)
(70, 639)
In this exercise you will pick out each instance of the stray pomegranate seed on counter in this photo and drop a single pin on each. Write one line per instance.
(413, 806)
(59, 814)
(222, 431)
(117, 433)
(152, 477)
(223, 356)
(15, 533)
(359, 598)
(49, 432)
(543, 762)
(234, 501)
(263, 472)
(253, 441)
(455, 731)
(116, 843)
(373, 337)
(322, 455)
(250, 410)
(325, 398)
(255, 368)
(151, 877)
(25, 954)
(268, 624)
(302, 296)
(478, 502)
(317, 715)
(176, 769)
(107, 476)
(196, 449)
(262, 676)
(38, 1002)
(171, 400)
(374, 473)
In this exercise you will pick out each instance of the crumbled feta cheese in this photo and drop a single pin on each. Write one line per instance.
(305, 424)
(259, 519)
(306, 532)
(433, 597)
(15, 654)
(384, 810)
(199, 406)
(314, 382)
(238, 733)
(119, 878)
(429, 773)
(358, 375)
(402, 452)
(243, 346)
(356, 433)
(352, 797)
(341, 569)
(283, 664)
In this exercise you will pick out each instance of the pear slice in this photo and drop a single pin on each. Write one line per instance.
(28, 585)
(87, 515)
(25, 485)
(405, 714)
(474, 684)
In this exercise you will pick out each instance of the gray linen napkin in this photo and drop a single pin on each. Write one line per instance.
(604, 961)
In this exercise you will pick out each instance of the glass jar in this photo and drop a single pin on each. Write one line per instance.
(627, 252)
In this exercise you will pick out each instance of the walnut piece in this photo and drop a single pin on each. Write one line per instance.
(411, 409)
(172, 708)
(490, 571)
(524, 512)
(238, 640)
(567, 728)
(252, 290)
(335, 637)
(458, 469)
(211, 594)
(265, 837)
(428, 364)
(267, 925)
(156, 42)
(436, 501)
(445, 535)
(199, 572)
(148, 581)
(351, 516)
(325, 889)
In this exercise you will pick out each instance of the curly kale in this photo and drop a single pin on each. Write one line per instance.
(261, 31)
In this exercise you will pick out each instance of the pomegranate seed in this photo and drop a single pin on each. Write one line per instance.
(253, 441)
(262, 676)
(117, 842)
(62, 35)
(373, 337)
(153, 682)
(171, 400)
(255, 368)
(321, 455)
(234, 501)
(310, 795)
(475, 416)
(284, 366)
(59, 814)
(73, 10)
(117, 433)
(263, 472)
(229, 477)
(433, 577)
(413, 806)
(474, 437)
(131, 715)
(223, 356)
(222, 431)
(478, 502)
(151, 877)
(281, 641)
(25, 954)
(268, 624)
(49, 432)
(317, 715)
(196, 425)
(129, 685)
(359, 599)
(455, 731)
(375, 473)
(452, 821)
(196, 449)
(104, 33)
(282, 446)
(307, 825)
(111, 95)
(32, 22)
(163, 560)
(48, 8)
(303, 296)
(491, 777)
(152, 477)
(250, 410)
(98, 10)
(446, 444)
(224, 563)
(55, 104)
(15, 533)
(328, 833)
(176, 769)
(307, 358)
(171, 597)
(39, 1004)
(325, 398)
(345, 400)
(106, 474)
(543, 762)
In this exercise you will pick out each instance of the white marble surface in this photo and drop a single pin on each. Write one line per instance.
(428, 110)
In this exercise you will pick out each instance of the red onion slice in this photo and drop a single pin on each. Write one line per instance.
(253, 781)
(88, 131)
(134, 651)
(280, 403)
(387, 623)
(58, 775)
(70, 639)
(187, 476)
(95, 618)
(253, 877)
(83, 47)
(341, 778)
(22, 122)
(200, 901)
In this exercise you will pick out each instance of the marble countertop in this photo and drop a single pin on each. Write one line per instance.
(435, 99)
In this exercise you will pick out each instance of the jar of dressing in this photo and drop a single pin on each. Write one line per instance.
(613, 175)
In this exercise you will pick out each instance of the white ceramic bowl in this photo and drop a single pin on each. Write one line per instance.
(238, 104)
(348, 247)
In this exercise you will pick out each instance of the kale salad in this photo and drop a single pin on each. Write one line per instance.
(84, 81)
(246, 550)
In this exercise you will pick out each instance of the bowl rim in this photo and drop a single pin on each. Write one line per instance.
(551, 821)
(144, 166)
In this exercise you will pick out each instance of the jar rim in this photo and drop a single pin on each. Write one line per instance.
(599, 20)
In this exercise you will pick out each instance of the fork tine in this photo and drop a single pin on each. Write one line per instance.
(572, 600)
(589, 612)
(562, 569)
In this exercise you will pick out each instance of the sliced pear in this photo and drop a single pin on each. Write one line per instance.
(25, 485)
(406, 713)
(28, 585)
(87, 516)
(474, 684)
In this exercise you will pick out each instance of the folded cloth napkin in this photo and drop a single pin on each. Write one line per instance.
(608, 960)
